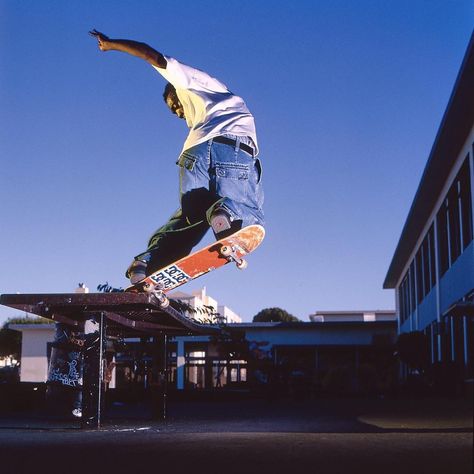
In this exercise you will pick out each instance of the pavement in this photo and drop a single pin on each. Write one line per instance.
(251, 436)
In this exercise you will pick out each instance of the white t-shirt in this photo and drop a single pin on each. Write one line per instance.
(209, 107)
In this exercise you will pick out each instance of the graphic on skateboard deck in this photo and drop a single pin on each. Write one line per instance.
(230, 249)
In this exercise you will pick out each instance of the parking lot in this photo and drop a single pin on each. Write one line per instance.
(323, 436)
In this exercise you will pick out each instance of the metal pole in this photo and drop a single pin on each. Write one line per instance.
(94, 348)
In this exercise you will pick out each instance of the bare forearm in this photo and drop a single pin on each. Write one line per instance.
(140, 50)
(135, 48)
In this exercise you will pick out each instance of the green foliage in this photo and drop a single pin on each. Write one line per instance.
(274, 315)
(27, 320)
(208, 313)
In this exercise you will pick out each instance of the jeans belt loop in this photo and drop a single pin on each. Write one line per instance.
(237, 145)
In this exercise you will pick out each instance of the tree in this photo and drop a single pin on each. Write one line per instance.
(274, 315)
(10, 343)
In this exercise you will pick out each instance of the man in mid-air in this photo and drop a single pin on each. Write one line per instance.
(220, 174)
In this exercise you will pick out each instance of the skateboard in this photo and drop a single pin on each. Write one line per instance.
(227, 250)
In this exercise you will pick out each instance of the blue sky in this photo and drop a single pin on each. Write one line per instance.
(347, 96)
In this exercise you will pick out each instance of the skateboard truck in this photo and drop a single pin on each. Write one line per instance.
(157, 293)
(230, 253)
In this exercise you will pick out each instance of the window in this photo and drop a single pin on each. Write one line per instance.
(432, 255)
(465, 203)
(403, 300)
(443, 245)
(455, 229)
(454, 232)
(412, 287)
(196, 369)
(426, 266)
(419, 275)
(406, 296)
(454, 225)
(238, 371)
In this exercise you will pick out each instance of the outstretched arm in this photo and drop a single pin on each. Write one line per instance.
(140, 50)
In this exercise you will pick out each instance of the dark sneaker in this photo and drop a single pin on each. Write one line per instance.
(220, 221)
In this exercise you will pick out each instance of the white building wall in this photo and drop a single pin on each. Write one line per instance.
(200, 301)
(352, 316)
(228, 315)
(34, 361)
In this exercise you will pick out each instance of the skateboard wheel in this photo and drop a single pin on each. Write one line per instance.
(226, 251)
(160, 299)
(164, 302)
(242, 264)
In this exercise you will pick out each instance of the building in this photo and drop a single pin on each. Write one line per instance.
(35, 339)
(432, 270)
(354, 316)
(202, 306)
(343, 352)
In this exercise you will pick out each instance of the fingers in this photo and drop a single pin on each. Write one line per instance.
(98, 34)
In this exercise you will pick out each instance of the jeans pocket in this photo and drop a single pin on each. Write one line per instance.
(187, 173)
(232, 180)
(186, 161)
(236, 171)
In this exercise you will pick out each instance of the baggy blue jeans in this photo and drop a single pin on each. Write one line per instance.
(211, 176)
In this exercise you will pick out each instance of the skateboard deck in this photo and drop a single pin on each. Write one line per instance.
(229, 249)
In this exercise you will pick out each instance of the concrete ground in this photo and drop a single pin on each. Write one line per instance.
(251, 436)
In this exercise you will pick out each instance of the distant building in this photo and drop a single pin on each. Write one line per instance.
(341, 352)
(35, 341)
(432, 270)
(202, 306)
(345, 316)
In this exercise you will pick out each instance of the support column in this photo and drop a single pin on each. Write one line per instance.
(180, 365)
(438, 287)
(159, 386)
(94, 353)
(466, 343)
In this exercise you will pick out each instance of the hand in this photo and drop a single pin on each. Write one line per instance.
(102, 39)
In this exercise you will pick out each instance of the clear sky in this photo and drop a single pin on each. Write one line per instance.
(347, 96)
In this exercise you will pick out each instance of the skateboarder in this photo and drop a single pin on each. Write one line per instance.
(219, 172)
